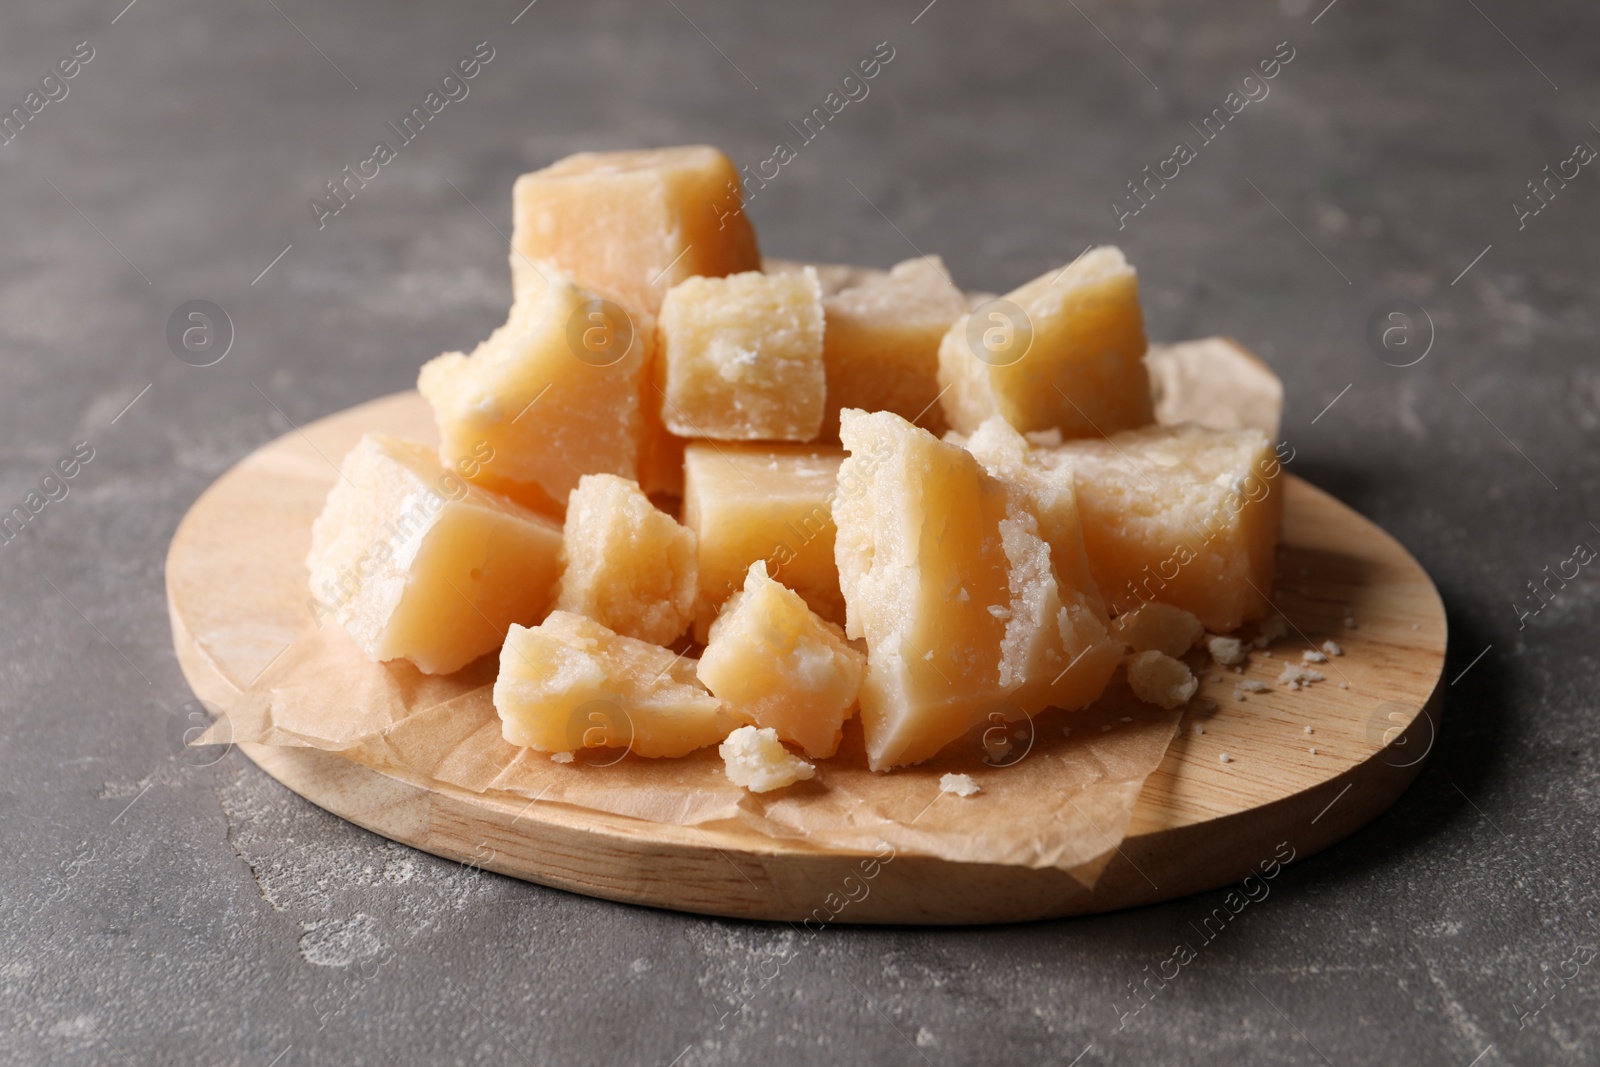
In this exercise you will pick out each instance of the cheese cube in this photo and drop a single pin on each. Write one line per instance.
(772, 662)
(754, 502)
(833, 277)
(632, 224)
(741, 357)
(571, 683)
(552, 395)
(627, 565)
(946, 578)
(1180, 516)
(757, 760)
(881, 345)
(417, 564)
(1064, 352)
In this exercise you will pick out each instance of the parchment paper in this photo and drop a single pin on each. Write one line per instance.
(1057, 792)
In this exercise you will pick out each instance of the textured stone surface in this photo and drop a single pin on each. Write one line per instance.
(157, 911)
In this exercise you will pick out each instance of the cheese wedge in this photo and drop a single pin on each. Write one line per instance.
(881, 346)
(632, 224)
(554, 394)
(946, 578)
(769, 502)
(626, 564)
(417, 564)
(1181, 516)
(1064, 351)
(741, 357)
(773, 663)
(570, 683)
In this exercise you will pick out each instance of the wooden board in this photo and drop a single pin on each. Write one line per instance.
(1200, 822)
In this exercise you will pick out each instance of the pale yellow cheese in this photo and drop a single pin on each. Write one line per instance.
(1181, 516)
(881, 346)
(1009, 456)
(1057, 651)
(741, 357)
(417, 564)
(1064, 352)
(1157, 678)
(571, 683)
(756, 759)
(626, 564)
(632, 224)
(554, 394)
(749, 502)
(773, 663)
(1216, 383)
(945, 577)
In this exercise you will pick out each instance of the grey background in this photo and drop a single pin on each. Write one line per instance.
(159, 912)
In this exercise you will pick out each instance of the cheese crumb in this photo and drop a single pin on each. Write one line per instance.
(1311, 655)
(1249, 685)
(560, 757)
(961, 785)
(1309, 730)
(1313, 750)
(1157, 678)
(757, 760)
(1198, 729)
(1225, 758)
(1297, 677)
(1228, 651)
(1331, 647)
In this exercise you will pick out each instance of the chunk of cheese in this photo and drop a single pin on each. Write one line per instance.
(757, 760)
(1180, 516)
(632, 224)
(881, 346)
(626, 564)
(1064, 351)
(749, 502)
(1008, 455)
(773, 663)
(1216, 383)
(945, 576)
(571, 683)
(415, 563)
(741, 357)
(552, 395)
(1159, 627)
(1157, 678)
(1057, 651)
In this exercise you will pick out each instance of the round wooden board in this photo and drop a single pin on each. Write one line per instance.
(1200, 822)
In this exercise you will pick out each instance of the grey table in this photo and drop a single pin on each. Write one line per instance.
(163, 908)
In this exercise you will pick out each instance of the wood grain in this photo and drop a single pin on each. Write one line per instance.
(1200, 822)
